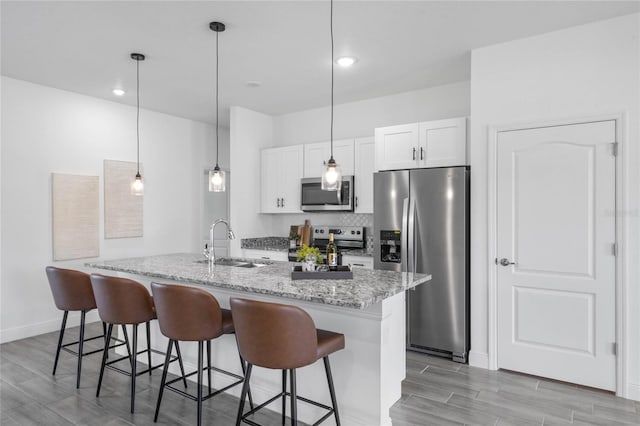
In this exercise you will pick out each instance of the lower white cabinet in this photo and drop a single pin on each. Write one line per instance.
(358, 262)
(265, 254)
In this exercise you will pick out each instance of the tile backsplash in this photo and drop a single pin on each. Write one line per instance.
(282, 222)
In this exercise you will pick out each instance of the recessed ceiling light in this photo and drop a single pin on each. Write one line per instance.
(346, 61)
(118, 92)
(253, 83)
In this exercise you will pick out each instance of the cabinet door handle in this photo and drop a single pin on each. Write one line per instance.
(356, 201)
(421, 153)
(277, 202)
(282, 203)
(414, 152)
(358, 264)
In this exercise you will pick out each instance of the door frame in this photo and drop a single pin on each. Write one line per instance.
(621, 280)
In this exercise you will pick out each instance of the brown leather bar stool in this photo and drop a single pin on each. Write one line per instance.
(72, 292)
(282, 337)
(122, 301)
(193, 315)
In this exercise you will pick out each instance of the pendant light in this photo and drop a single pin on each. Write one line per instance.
(332, 176)
(216, 176)
(137, 186)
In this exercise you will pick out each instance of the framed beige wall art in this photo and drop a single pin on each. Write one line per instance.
(76, 216)
(122, 209)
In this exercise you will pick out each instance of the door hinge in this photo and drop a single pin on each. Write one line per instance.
(614, 249)
(614, 347)
(614, 149)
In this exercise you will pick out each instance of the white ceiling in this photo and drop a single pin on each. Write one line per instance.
(84, 47)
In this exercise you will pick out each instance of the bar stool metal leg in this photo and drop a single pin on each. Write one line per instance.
(80, 347)
(184, 379)
(133, 367)
(332, 392)
(244, 371)
(294, 399)
(126, 339)
(104, 358)
(243, 394)
(149, 346)
(284, 396)
(62, 328)
(167, 359)
(199, 398)
(209, 364)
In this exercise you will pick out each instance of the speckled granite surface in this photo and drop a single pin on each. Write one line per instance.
(265, 243)
(367, 287)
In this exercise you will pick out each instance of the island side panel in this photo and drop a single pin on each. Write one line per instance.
(367, 373)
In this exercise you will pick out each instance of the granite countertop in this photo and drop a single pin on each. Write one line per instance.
(367, 287)
(265, 243)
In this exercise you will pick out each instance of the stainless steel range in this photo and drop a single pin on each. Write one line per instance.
(345, 237)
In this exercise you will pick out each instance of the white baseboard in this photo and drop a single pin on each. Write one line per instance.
(633, 391)
(478, 359)
(30, 330)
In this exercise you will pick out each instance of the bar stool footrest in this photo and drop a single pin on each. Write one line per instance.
(330, 410)
(239, 380)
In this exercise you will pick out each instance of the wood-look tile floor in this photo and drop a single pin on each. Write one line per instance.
(435, 392)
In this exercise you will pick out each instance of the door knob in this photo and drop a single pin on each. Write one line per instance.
(505, 262)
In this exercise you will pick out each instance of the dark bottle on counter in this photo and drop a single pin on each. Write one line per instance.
(332, 254)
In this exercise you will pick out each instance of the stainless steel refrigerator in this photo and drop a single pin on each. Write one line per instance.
(421, 224)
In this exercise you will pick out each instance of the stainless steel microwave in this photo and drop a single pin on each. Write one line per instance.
(314, 199)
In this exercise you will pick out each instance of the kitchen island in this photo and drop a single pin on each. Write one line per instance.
(369, 310)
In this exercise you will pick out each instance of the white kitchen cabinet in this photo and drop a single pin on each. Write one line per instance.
(280, 184)
(265, 255)
(443, 143)
(317, 154)
(427, 144)
(364, 157)
(358, 262)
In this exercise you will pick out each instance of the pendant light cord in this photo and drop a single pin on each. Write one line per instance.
(138, 112)
(331, 17)
(217, 70)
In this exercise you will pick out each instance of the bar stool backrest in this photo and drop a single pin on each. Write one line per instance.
(187, 313)
(273, 335)
(71, 289)
(121, 300)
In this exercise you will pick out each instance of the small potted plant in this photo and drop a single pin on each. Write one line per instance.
(311, 257)
(293, 240)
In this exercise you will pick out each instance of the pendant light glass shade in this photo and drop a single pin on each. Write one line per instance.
(216, 176)
(137, 185)
(332, 177)
(216, 180)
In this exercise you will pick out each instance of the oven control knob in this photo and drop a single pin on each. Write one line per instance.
(353, 232)
(358, 232)
(322, 231)
(338, 231)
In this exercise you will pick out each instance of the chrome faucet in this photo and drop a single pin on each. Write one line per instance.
(209, 252)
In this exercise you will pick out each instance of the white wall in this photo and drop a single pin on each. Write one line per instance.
(46, 130)
(250, 132)
(360, 118)
(582, 71)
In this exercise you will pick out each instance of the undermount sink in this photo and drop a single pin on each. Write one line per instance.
(240, 263)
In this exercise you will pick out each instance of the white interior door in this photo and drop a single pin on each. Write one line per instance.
(555, 237)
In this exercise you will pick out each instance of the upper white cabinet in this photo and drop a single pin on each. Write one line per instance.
(317, 154)
(364, 167)
(280, 185)
(427, 144)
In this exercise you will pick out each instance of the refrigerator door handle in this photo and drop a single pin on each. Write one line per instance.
(403, 236)
(411, 237)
